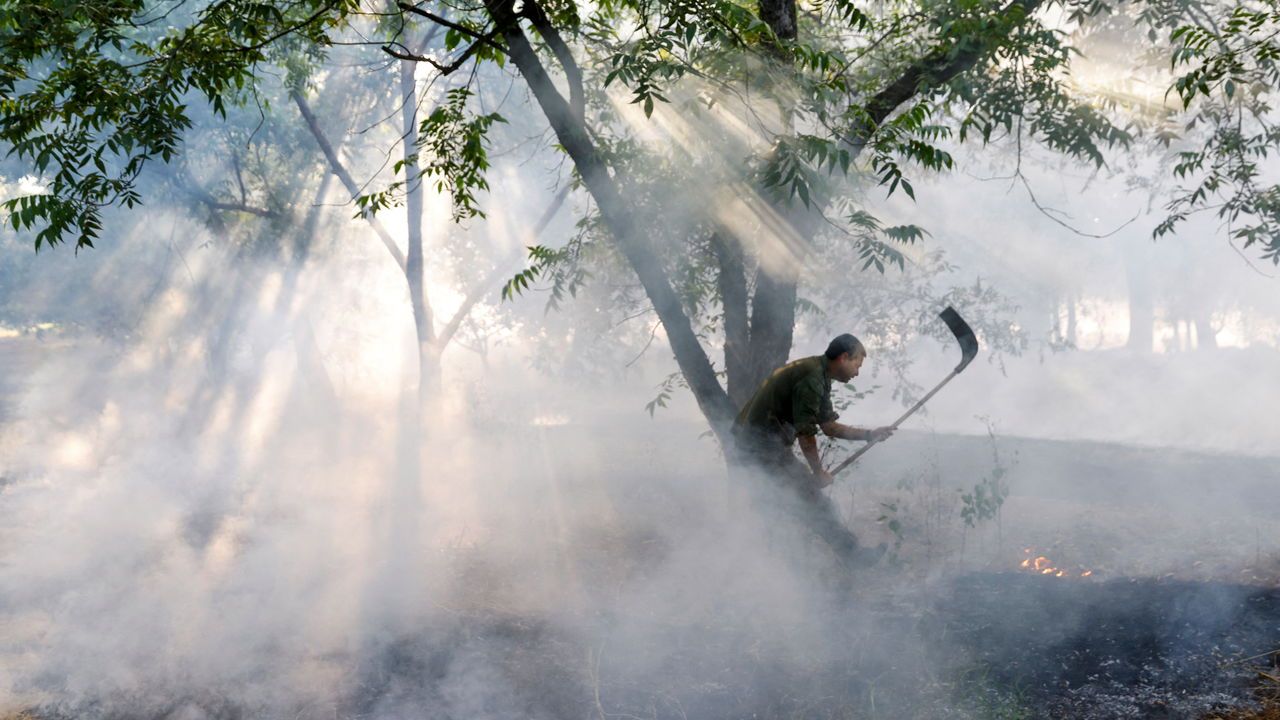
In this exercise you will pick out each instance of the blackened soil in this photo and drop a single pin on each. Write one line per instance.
(1120, 648)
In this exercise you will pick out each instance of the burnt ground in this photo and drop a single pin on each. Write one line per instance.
(972, 646)
(1122, 648)
(1162, 629)
(977, 646)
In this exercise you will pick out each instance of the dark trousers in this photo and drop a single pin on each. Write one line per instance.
(799, 497)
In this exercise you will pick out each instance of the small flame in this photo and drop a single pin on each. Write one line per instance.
(1041, 565)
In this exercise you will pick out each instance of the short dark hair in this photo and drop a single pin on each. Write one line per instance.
(845, 343)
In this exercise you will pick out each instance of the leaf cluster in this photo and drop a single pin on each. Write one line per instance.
(1229, 75)
(93, 90)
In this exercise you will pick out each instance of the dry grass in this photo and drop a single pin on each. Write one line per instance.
(1267, 694)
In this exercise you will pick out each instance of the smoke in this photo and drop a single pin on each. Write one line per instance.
(217, 499)
(209, 518)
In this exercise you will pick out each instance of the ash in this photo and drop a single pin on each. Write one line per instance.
(1123, 648)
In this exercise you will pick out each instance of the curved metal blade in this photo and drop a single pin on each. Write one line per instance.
(964, 335)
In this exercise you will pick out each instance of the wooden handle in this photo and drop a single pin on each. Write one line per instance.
(848, 461)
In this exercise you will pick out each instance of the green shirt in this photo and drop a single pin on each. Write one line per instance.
(794, 400)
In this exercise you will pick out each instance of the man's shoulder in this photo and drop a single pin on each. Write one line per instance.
(810, 371)
(806, 364)
(813, 367)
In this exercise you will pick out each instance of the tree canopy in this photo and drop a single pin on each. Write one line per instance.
(718, 141)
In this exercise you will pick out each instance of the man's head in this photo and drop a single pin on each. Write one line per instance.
(844, 357)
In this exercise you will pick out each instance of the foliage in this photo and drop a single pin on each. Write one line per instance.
(121, 85)
(94, 90)
(730, 103)
(984, 501)
(456, 158)
(454, 140)
(668, 386)
(557, 265)
(1230, 73)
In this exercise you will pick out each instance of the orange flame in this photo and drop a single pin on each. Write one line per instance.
(1043, 566)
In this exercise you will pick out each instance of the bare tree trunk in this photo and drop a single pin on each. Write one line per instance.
(1206, 336)
(1073, 336)
(423, 323)
(340, 170)
(310, 360)
(773, 321)
(1142, 314)
(732, 285)
(780, 16)
(773, 306)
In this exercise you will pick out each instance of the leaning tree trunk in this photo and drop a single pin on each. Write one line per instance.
(776, 307)
(566, 120)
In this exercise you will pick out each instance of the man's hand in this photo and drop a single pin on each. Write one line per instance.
(822, 478)
(879, 434)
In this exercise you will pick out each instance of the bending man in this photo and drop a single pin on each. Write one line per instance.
(792, 404)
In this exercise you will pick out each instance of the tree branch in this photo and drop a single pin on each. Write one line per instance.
(938, 67)
(488, 39)
(207, 199)
(444, 69)
(347, 181)
(559, 48)
(238, 207)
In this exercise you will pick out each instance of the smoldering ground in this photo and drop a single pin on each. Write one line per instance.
(213, 520)
(208, 522)
(213, 508)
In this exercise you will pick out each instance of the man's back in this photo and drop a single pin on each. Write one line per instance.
(795, 398)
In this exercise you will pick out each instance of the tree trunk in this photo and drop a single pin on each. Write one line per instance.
(311, 367)
(731, 280)
(780, 16)
(1142, 313)
(773, 320)
(773, 306)
(348, 182)
(1206, 336)
(634, 244)
(423, 325)
(776, 311)
(1072, 328)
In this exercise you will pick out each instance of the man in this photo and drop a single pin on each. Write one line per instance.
(792, 404)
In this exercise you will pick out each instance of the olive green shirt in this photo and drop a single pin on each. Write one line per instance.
(793, 401)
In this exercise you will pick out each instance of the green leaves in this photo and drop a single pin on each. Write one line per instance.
(560, 266)
(456, 157)
(1232, 69)
(666, 388)
(872, 240)
(94, 91)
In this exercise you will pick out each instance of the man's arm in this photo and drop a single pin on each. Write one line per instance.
(809, 447)
(848, 432)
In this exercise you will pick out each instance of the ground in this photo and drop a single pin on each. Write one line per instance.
(605, 574)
